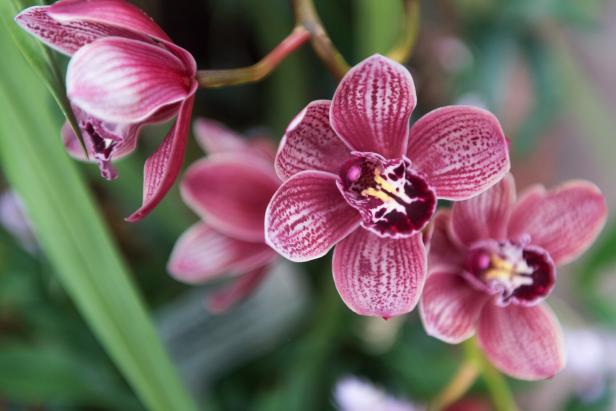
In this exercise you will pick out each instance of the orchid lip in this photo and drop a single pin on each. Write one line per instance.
(393, 199)
(515, 272)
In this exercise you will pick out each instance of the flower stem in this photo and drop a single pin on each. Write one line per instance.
(498, 388)
(256, 72)
(464, 378)
(306, 16)
(406, 43)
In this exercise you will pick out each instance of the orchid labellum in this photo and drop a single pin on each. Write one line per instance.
(493, 262)
(230, 190)
(124, 73)
(356, 176)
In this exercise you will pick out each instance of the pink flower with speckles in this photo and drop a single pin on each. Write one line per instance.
(124, 73)
(229, 190)
(358, 178)
(493, 262)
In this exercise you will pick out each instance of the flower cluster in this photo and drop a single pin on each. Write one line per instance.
(230, 191)
(350, 174)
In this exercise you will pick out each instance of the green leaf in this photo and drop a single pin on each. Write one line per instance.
(51, 374)
(41, 59)
(72, 234)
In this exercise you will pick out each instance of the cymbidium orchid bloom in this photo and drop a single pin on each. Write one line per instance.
(124, 73)
(493, 262)
(356, 176)
(229, 190)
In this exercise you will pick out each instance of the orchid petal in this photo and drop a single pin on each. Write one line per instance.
(564, 221)
(126, 81)
(307, 216)
(163, 166)
(444, 252)
(372, 106)
(120, 149)
(450, 307)
(378, 276)
(486, 215)
(239, 289)
(310, 143)
(65, 37)
(113, 13)
(202, 253)
(524, 342)
(461, 150)
(215, 137)
(231, 193)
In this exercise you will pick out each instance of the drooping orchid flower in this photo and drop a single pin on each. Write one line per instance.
(357, 177)
(124, 73)
(229, 190)
(493, 262)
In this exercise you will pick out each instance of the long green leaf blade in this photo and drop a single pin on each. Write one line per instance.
(41, 59)
(74, 237)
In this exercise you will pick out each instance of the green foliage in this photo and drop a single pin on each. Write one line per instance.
(41, 59)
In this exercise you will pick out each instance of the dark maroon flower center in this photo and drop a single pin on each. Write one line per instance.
(391, 197)
(518, 273)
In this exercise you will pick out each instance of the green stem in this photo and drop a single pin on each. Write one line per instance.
(256, 72)
(461, 382)
(406, 44)
(499, 391)
(307, 17)
(498, 388)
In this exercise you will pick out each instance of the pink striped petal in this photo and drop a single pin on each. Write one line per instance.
(564, 221)
(310, 143)
(307, 216)
(126, 81)
(462, 151)
(378, 276)
(202, 253)
(231, 193)
(486, 215)
(239, 289)
(372, 106)
(163, 166)
(523, 342)
(450, 307)
(106, 13)
(444, 252)
(69, 36)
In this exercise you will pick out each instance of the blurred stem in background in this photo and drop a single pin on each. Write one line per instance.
(474, 365)
(256, 72)
(462, 381)
(306, 16)
(408, 37)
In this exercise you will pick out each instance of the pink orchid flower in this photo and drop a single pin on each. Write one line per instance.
(356, 176)
(492, 263)
(124, 73)
(230, 191)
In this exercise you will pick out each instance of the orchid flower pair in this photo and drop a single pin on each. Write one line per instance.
(355, 177)
(124, 73)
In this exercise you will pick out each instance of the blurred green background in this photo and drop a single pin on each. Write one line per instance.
(544, 67)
